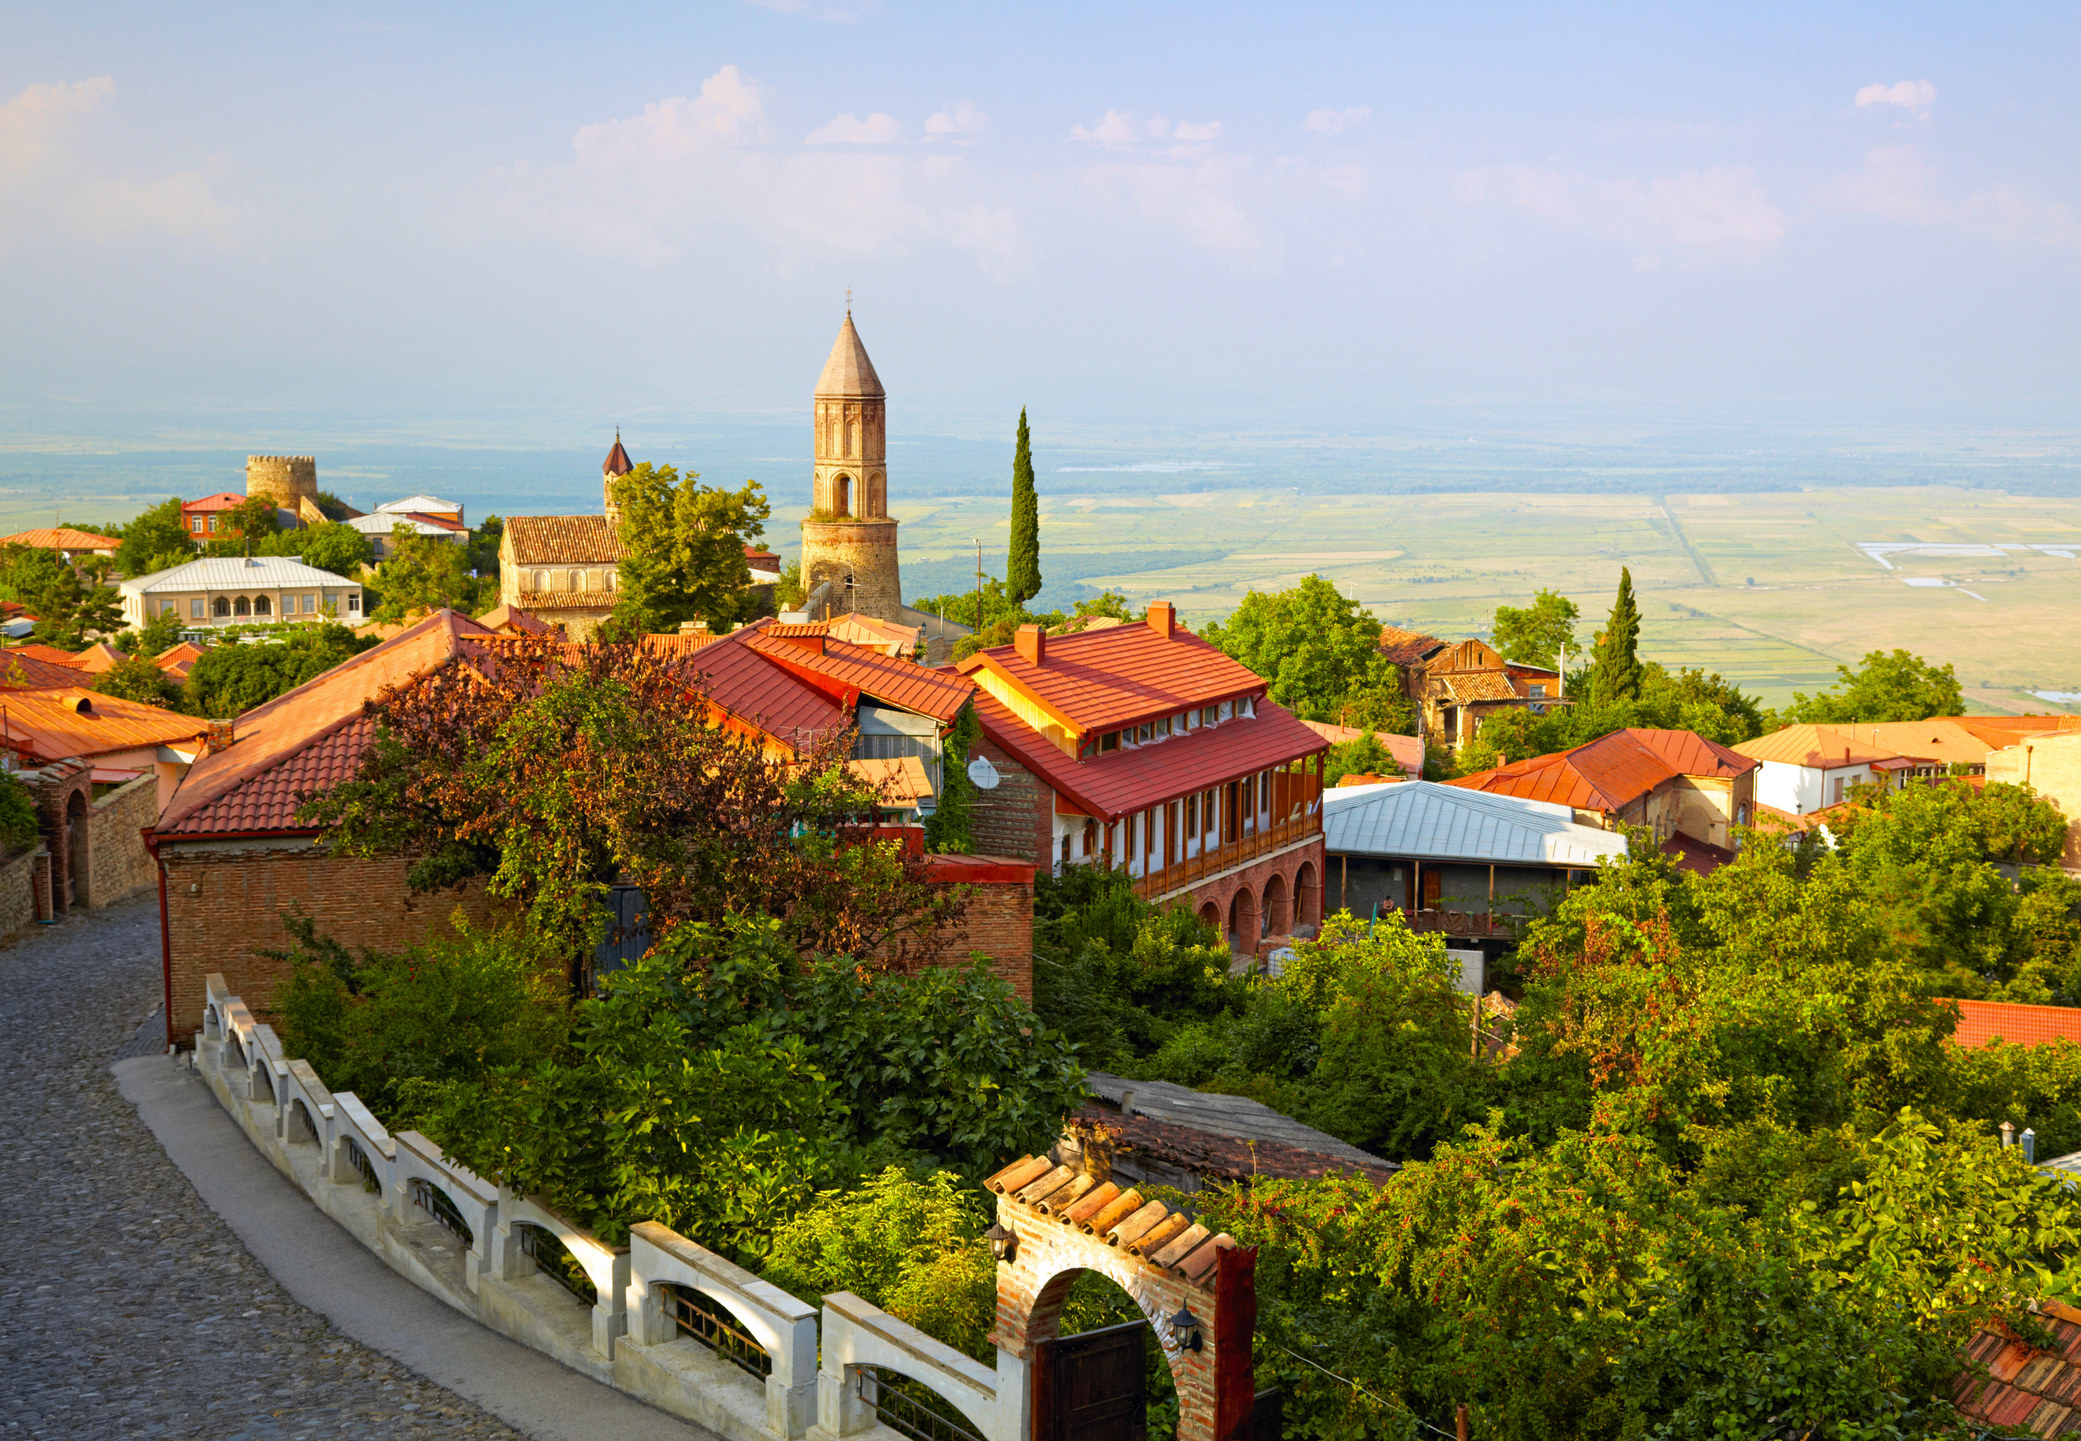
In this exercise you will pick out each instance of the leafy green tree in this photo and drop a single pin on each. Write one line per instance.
(341, 549)
(683, 550)
(1106, 603)
(1888, 686)
(19, 828)
(484, 552)
(159, 634)
(154, 540)
(423, 573)
(230, 679)
(1319, 651)
(1615, 661)
(951, 827)
(1535, 634)
(246, 524)
(71, 605)
(1364, 757)
(137, 678)
(1022, 569)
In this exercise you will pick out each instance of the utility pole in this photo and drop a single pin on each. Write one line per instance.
(979, 584)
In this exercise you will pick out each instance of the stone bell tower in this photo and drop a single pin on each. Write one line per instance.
(849, 541)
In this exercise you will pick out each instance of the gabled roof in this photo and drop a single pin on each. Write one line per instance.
(866, 630)
(753, 689)
(24, 667)
(300, 740)
(1612, 772)
(1405, 751)
(1104, 678)
(562, 540)
(1819, 747)
(903, 684)
(1982, 1022)
(383, 522)
(1406, 647)
(431, 503)
(1430, 821)
(50, 654)
(178, 660)
(99, 657)
(58, 723)
(222, 500)
(511, 619)
(252, 572)
(62, 538)
(1130, 780)
(849, 372)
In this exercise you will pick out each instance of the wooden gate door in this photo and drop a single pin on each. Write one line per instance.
(1092, 1386)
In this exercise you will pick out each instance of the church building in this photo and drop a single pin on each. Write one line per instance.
(563, 568)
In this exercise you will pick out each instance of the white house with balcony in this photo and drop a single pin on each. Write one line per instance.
(235, 590)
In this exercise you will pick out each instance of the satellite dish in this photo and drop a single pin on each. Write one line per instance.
(983, 773)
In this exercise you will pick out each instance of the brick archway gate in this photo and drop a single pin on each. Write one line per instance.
(1063, 1222)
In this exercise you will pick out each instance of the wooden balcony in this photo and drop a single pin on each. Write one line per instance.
(1298, 796)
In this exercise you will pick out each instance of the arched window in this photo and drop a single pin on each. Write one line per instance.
(242, 606)
(262, 605)
(842, 495)
(220, 607)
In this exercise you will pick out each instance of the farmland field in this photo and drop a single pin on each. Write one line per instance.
(1772, 589)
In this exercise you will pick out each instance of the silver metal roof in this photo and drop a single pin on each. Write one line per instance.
(420, 502)
(252, 572)
(1432, 821)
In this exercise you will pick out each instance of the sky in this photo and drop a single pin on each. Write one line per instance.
(518, 224)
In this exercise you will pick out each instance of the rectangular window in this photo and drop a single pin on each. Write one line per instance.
(1192, 816)
(310, 605)
(197, 524)
(213, 525)
(1206, 715)
(1110, 743)
(1163, 727)
(1227, 710)
(1538, 692)
(1142, 734)
(195, 610)
(353, 602)
(1247, 707)
(1182, 722)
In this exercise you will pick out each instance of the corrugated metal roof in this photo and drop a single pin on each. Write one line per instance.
(1132, 780)
(421, 502)
(562, 540)
(253, 572)
(1431, 821)
(1104, 678)
(1817, 746)
(55, 727)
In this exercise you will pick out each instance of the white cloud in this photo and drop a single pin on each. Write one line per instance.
(1200, 199)
(1694, 218)
(1117, 129)
(1187, 134)
(1336, 122)
(960, 122)
(850, 129)
(1914, 96)
(643, 186)
(1901, 182)
(51, 186)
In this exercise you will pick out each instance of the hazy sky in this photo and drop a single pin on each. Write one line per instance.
(1143, 216)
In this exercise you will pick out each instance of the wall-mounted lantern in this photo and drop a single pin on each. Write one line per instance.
(1004, 1242)
(1185, 1329)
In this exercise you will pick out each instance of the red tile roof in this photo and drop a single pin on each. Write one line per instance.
(26, 668)
(753, 689)
(1104, 678)
(57, 724)
(511, 619)
(45, 653)
(1612, 772)
(1980, 1022)
(294, 742)
(178, 660)
(2010, 1384)
(222, 500)
(903, 684)
(99, 657)
(1127, 781)
(563, 540)
(1406, 647)
(63, 538)
(1405, 751)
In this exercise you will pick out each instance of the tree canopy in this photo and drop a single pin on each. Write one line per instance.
(233, 676)
(683, 550)
(1535, 634)
(1615, 660)
(1888, 686)
(155, 540)
(422, 573)
(1022, 569)
(1320, 653)
(71, 604)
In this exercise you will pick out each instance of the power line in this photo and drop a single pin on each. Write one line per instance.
(1365, 1393)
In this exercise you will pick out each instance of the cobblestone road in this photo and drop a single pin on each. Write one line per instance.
(127, 1308)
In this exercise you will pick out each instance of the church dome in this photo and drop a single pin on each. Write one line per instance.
(849, 372)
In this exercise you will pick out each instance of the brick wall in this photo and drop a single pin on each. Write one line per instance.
(19, 903)
(225, 901)
(1018, 817)
(999, 919)
(118, 866)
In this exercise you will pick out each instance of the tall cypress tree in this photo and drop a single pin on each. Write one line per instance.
(1615, 664)
(1022, 577)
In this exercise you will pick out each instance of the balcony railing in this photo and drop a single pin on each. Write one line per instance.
(1302, 799)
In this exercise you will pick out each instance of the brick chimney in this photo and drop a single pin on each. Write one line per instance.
(1163, 618)
(1032, 644)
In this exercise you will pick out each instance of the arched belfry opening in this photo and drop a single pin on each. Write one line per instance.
(1196, 1291)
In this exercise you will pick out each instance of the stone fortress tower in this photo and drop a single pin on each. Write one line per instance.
(289, 479)
(849, 541)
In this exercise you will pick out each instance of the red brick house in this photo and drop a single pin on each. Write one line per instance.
(1144, 747)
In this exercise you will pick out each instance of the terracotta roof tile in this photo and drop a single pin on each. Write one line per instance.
(563, 540)
(99, 658)
(21, 670)
(62, 538)
(903, 684)
(281, 731)
(511, 619)
(1406, 647)
(178, 660)
(1982, 1022)
(1480, 685)
(1105, 678)
(1127, 781)
(1405, 751)
(1610, 773)
(752, 688)
(59, 723)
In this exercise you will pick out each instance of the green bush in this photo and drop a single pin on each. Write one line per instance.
(19, 828)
